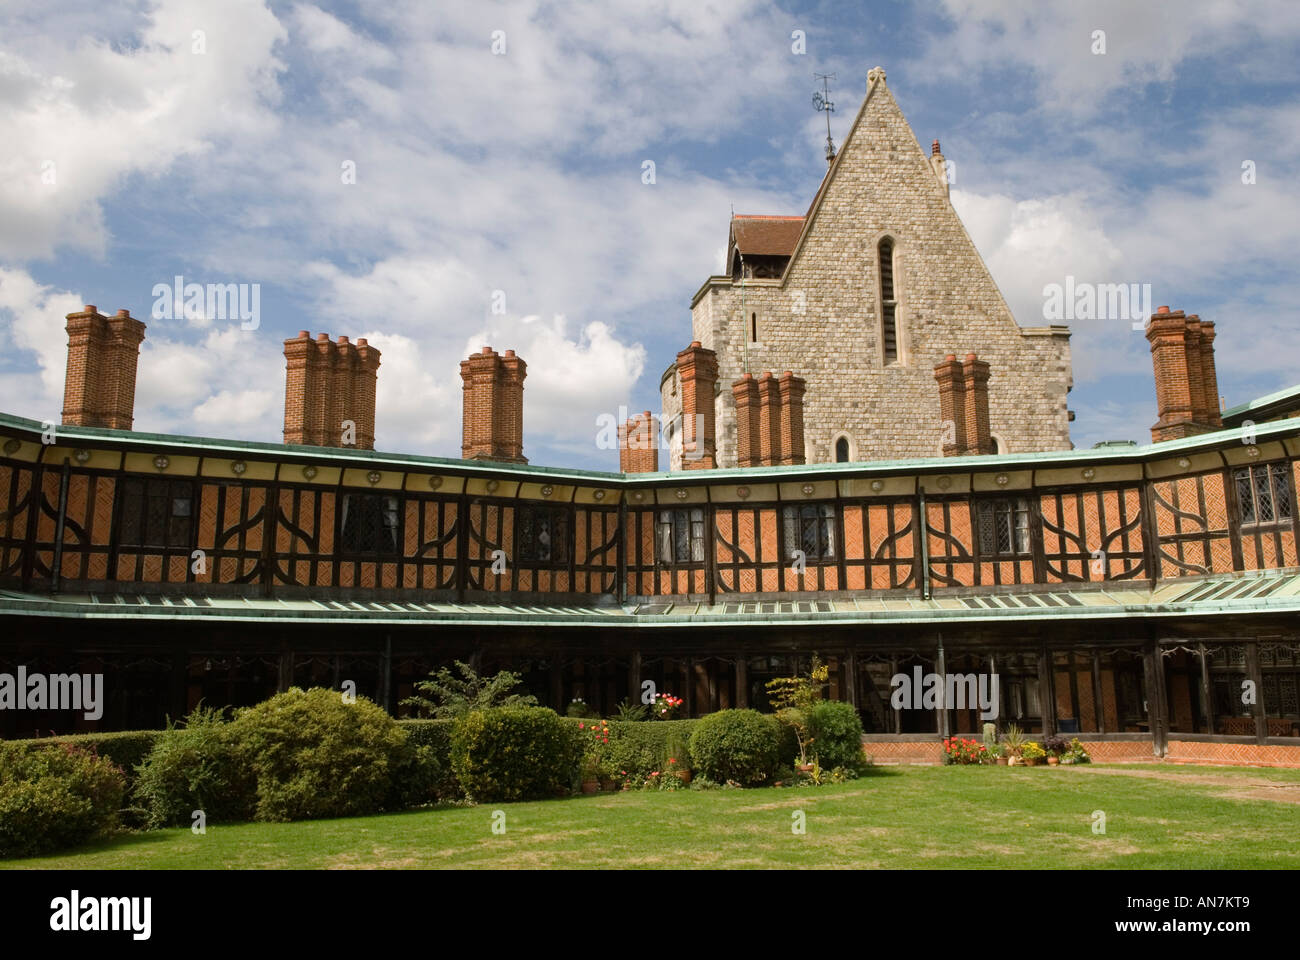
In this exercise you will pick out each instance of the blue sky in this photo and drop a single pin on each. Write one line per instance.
(521, 172)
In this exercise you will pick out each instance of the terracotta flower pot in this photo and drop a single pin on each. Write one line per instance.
(1053, 761)
(1033, 761)
(1002, 761)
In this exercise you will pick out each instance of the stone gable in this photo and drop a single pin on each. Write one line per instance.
(822, 319)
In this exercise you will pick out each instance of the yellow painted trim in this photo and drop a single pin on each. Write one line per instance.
(957, 483)
(667, 496)
(388, 479)
(419, 483)
(1127, 472)
(1238, 455)
(478, 487)
(99, 459)
(1016, 480)
(821, 490)
(889, 487)
(1196, 463)
(219, 468)
(176, 466)
(758, 493)
(560, 492)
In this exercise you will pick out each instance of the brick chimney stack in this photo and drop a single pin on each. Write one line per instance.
(952, 405)
(638, 444)
(976, 374)
(769, 419)
(103, 354)
(1187, 387)
(493, 406)
(326, 384)
(697, 369)
(791, 390)
(749, 442)
(964, 402)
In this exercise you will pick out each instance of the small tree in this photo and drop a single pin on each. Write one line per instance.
(793, 697)
(445, 695)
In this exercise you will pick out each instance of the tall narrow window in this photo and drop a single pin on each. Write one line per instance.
(888, 303)
(753, 328)
(842, 450)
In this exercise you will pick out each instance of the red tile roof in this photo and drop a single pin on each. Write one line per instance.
(766, 236)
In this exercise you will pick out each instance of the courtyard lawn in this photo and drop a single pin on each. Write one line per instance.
(1157, 817)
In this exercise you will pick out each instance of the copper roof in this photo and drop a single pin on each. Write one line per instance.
(766, 236)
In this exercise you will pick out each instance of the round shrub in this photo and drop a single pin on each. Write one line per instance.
(312, 754)
(196, 766)
(836, 731)
(513, 753)
(739, 745)
(55, 797)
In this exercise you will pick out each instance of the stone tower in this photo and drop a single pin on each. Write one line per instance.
(862, 297)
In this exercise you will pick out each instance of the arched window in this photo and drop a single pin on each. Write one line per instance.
(888, 303)
(842, 450)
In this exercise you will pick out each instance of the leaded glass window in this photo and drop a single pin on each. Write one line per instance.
(1263, 493)
(368, 525)
(1003, 527)
(156, 512)
(680, 536)
(810, 528)
(542, 533)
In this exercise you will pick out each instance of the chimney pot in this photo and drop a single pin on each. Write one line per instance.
(695, 344)
(322, 338)
(1163, 309)
(124, 313)
(303, 335)
(486, 351)
(89, 308)
(510, 353)
(342, 339)
(934, 147)
(950, 358)
(363, 342)
(970, 358)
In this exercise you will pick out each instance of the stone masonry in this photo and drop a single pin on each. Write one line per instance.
(823, 318)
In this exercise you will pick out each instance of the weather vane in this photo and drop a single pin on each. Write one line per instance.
(822, 103)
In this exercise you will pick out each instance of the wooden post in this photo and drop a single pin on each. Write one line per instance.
(742, 682)
(1099, 711)
(851, 676)
(1047, 691)
(386, 673)
(1206, 690)
(1149, 672)
(941, 668)
(1257, 677)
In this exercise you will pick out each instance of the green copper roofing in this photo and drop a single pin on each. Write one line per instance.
(204, 446)
(1269, 592)
(1290, 395)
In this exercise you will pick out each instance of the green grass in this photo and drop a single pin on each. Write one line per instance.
(1157, 817)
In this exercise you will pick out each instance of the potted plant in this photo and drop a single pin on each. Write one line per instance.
(1012, 740)
(998, 754)
(590, 772)
(1055, 745)
(1075, 753)
(1032, 753)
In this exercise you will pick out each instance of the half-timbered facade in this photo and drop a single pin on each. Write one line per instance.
(1145, 598)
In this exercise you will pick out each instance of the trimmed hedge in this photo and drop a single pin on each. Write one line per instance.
(314, 755)
(836, 731)
(737, 745)
(54, 797)
(514, 753)
(126, 749)
(196, 766)
(434, 736)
